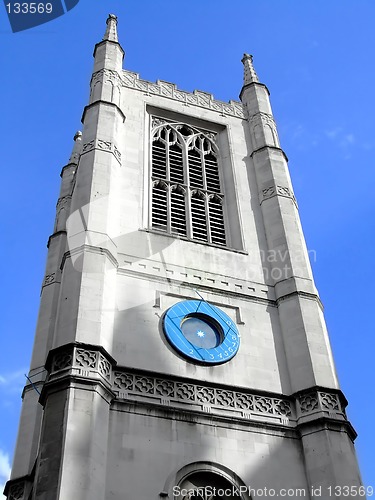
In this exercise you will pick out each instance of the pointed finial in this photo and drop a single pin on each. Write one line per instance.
(111, 30)
(250, 75)
(74, 157)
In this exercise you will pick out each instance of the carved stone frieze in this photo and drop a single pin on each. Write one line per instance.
(169, 90)
(197, 397)
(276, 190)
(181, 394)
(102, 145)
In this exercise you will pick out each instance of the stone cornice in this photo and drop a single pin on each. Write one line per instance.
(54, 235)
(88, 248)
(104, 42)
(265, 148)
(302, 294)
(67, 166)
(326, 424)
(106, 103)
(248, 85)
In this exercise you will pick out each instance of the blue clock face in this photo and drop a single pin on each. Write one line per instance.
(201, 331)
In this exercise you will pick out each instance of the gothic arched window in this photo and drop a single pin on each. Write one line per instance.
(187, 199)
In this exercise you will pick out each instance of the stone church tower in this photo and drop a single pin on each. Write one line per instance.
(181, 344)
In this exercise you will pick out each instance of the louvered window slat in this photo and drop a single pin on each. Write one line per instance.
(178, 150)
(159, 160)
(178, 213)
(159, 208)
(216, 221)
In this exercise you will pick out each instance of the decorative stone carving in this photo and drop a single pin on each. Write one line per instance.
(80, 362)
(116, 153)
(105, 85)
(169, 90)
(282, 408)
(132, 386)
(263, 404)
(263, 130)
(329, 401)
(319, 401)
(62, 361)
(49, 278)
(102, 145)
(308, 403)
(156, 121)
(164, 387)
(225, 398)
(62, 212)
(276, 190)
(205, 395)
(104, 367)
(104, 75)
(143, 384)
(16, 491)
(182, 394)
(124, 381)
(185, 391)
(62, 202)
(87, 359)
(88, 146)
(244, 401)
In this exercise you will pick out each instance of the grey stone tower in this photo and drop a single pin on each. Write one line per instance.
(181, 343)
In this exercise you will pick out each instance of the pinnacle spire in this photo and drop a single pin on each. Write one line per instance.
(111, 30)
(250, 75)
(74, 157)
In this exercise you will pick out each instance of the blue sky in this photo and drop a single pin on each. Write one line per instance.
(316, 59)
